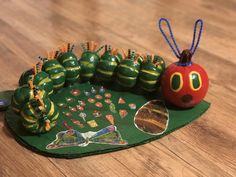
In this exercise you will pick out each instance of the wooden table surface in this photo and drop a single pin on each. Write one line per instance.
(206, 147)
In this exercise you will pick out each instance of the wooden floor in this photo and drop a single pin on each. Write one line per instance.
(207, 147)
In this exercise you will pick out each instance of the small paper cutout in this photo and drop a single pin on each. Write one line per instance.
(110, 118)
(99, 104)
(123, 113)
(108, 135)
(132, 106)
(121, 101)
(92, 123)
(107, 95)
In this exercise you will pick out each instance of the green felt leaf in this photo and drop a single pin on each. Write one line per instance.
(126, 127)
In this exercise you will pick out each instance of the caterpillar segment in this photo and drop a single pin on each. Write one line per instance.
(106, 68)
(39, 115)
(24, 94)
(128, 69)
(89, 60)
(55, 70)
(150, 73)
(41, 78)
(25, 77)
(69, 61)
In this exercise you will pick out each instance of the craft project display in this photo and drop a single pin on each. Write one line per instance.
(96, 104)
(184, 83)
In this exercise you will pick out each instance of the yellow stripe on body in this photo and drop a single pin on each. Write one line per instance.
(68, 59)
(87, 64)
(150, 72)
(125, 66)
(52, 124)
(72, 78)
(148, 82)
(112, 63)
(43, 81)
(58, 85)
(27, 118)
(50, 92)
(53, 67)
(87, 74)
(55, 117)
(105, 72)
(31, 108)
(73, 68)
(31, 125)
(58, 75)
(126, 77)
(52, 109)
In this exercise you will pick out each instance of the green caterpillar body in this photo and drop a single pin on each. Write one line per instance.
(150, 72)
(88, 62)
(127, 73)
(69, 61)
(41, 80)
(56, 73)
(21, 96)
(128, 69)
(105, 70)
(32, 118)
(25, 77)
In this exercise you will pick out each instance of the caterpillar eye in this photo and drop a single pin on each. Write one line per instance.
(176, 82)
(195, 80)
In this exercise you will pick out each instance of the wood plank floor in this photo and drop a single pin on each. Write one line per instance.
(207, 147)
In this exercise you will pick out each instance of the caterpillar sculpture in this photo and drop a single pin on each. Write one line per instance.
(60, 68)
(184, 83)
